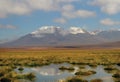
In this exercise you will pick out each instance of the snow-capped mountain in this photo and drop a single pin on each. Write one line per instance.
(57, 36)
(41, 32)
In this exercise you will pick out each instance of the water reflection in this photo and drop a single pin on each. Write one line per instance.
(51, 73)
(101, 74)
(51, 70)
(47, 71)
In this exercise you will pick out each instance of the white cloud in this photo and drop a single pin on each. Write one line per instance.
(13, 7)
(68, 7)
(109, 22)
(78, 14)
(108, 6)
(85, 13)
(68, 11)
(60, 20)
(23, 7)
(8, 26)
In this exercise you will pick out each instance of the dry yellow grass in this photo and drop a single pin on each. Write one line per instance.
(46, 56)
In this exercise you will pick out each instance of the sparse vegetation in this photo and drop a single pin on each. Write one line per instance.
(22, 57)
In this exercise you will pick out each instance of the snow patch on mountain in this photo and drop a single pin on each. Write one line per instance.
(95, 32)
(54, 29)
(46, 30)
(76, 30)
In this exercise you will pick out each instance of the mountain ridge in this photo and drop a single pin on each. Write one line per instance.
(57, 36)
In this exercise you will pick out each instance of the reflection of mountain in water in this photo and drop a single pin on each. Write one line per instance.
(51, 73)
(47, 71)
(50, 70)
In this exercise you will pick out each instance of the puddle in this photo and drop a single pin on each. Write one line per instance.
(51, 73)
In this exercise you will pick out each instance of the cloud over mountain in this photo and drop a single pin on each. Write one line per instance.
(110, 7)
(109, 22)
(23, 7)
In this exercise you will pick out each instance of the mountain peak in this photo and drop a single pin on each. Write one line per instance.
(46, 29)
(76, 30)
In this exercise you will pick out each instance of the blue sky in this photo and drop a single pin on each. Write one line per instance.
(20, 17)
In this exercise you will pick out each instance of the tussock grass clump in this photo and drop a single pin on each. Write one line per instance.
(13, 66)
(5, 79)
(85, 73)
(79, 63)
(28, 76)
(111, 69)
(33, 64)
(1, 74)
(96, 80)
(118, 64)
(75, 79)
(5, 70)
(66, 68)
(116, 75)
(93, 65)
(82, 67)
(20, 68)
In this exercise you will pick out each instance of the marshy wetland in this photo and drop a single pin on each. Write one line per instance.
(59, 65)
